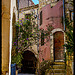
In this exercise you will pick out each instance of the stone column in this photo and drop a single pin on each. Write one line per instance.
(5, 36)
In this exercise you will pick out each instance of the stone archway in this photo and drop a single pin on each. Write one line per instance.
(52, 52)
(29, 63)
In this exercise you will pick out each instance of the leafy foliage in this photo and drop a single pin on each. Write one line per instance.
(28, 33)
(25, 38)
(45, 65)
(69, 36)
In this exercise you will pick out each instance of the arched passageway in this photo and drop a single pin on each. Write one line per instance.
(29, 63)
(58, 45)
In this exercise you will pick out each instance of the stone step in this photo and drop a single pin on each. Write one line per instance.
(58, 66)
(59, 63)
(57, 71)
(57, 74)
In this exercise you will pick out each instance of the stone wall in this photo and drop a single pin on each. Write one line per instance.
(69, 64)
(7, 16)
(5, 35)
(43, 3)
(50, 16)
(25, 3)
(29, 10)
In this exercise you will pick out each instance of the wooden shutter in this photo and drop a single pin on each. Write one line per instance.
(40, 17)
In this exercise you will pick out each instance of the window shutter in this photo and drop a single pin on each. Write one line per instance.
(42, 38)
(40, 17)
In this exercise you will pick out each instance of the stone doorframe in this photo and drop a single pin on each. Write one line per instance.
(52, 42)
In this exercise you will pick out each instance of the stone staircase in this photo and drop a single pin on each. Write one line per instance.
(58, 69)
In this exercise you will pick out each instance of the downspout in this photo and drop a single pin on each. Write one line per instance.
(64, 13)
(64, 27)
(18, 9)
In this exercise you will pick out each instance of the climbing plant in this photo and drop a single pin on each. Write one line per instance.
(28, 33)
(69, 32)
(45, 66)
(25, 37)
(69, 38)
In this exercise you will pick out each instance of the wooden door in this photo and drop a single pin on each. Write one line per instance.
(58, 46)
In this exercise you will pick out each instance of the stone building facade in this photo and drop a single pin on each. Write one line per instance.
(31, 49)
(5, 36)
(52, 15)
(52, 12)
(69, 12)
(25, 3)
(42, 3)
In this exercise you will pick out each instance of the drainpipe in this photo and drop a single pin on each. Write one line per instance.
(64, 13)
(18, 9)
(64, 26)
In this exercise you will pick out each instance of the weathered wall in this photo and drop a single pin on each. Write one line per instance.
(50, 15)
(6, 17)
(29, 10)
(5, 35)
(25, 3)
(33, 48)
(69, 64)
(43, 3)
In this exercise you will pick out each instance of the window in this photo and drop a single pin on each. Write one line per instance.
(56, 0)
(42, 38)
(40, 17)
(71, 15)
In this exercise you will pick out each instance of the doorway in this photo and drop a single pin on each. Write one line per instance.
(29, 63)
(58, 46)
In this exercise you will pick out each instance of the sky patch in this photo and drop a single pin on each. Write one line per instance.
(35, 2)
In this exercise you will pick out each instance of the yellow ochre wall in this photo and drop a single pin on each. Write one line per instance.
(5, 36)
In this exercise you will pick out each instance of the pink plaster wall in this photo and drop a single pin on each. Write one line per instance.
(47, 12)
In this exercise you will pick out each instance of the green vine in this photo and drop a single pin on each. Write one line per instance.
(27, 36)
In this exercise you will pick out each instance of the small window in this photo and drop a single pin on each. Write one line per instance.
(42, 38)
(40, 17)
(56, 0)
(71, 15)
